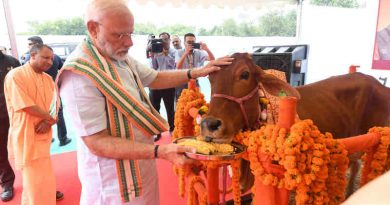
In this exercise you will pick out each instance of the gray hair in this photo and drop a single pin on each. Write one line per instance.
(97, 9)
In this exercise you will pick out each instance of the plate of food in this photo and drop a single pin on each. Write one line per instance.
(211, 151)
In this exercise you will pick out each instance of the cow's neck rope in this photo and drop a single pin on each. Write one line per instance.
(240, 101)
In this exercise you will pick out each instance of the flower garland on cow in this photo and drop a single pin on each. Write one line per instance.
(186, 125)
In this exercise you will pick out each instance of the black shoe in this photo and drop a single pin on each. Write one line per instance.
(157, 137)
(8, 194)
(59, 196)
(65, 142)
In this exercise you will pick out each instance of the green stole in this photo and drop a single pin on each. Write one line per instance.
(123, 110)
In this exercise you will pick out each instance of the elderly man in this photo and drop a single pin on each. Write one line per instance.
(101, 87)
(29, 94)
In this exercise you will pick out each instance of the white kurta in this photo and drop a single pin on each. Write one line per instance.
(85, 106)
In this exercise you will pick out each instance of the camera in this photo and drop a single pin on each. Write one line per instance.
(196, 45)
(156, 45)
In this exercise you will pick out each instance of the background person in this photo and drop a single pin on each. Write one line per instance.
(52, 71)
(7, 175)
(29, 94)
(164, 61)
(191, 58)
(176, 42)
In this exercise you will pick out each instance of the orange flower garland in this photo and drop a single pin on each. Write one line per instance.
(191, 192)
(185, 125)
(190, 98)
(305, 154)
(376, 160)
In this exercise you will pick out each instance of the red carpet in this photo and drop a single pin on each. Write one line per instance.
(65, 168)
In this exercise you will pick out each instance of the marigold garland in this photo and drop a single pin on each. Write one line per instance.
(184, 124)
(306, 155)
(192, 193)
(315, 163)
(376, 160)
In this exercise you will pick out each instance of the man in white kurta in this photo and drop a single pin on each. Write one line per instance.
(85, 104)
(116, 155)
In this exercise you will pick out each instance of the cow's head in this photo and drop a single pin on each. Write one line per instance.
(232, 84)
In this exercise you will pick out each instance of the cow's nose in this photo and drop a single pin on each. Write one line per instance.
(211, 124)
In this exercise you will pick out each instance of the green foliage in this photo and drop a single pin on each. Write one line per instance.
(278, 24)
(73, 26)
(336, 3)
(275, 23)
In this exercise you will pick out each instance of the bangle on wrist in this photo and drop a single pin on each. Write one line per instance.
(189, 76)
(156, 151)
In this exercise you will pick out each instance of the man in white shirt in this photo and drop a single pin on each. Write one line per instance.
(101, 88)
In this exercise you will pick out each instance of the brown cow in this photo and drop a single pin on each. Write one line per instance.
(345, 105)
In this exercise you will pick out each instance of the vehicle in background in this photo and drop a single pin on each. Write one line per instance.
(63, 49)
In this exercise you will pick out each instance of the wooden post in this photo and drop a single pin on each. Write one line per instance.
(352, 68)
(287, 112)
(270, 195)
(361, 142)
(212, 185)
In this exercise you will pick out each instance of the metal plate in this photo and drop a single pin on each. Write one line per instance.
(239, 149)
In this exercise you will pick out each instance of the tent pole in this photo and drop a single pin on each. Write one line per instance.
(10, 28)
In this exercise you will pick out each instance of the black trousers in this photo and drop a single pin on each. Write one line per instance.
(7, 175)
(61, 128)
(168, 95)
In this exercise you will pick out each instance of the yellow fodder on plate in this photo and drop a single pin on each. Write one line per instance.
(203, 147)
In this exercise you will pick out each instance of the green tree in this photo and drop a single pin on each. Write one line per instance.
(336, 3)
(277, 24)
(74, 26)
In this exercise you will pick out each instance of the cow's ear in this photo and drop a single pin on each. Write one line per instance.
(275, 86)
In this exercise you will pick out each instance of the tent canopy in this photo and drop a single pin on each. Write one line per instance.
(221, 3)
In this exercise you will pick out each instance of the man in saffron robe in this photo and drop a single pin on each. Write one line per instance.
(29, 94)
(101, 88)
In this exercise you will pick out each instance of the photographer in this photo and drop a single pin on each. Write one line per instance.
(192, 56)
(163, 59)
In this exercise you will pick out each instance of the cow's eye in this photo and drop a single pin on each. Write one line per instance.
(244, 75)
